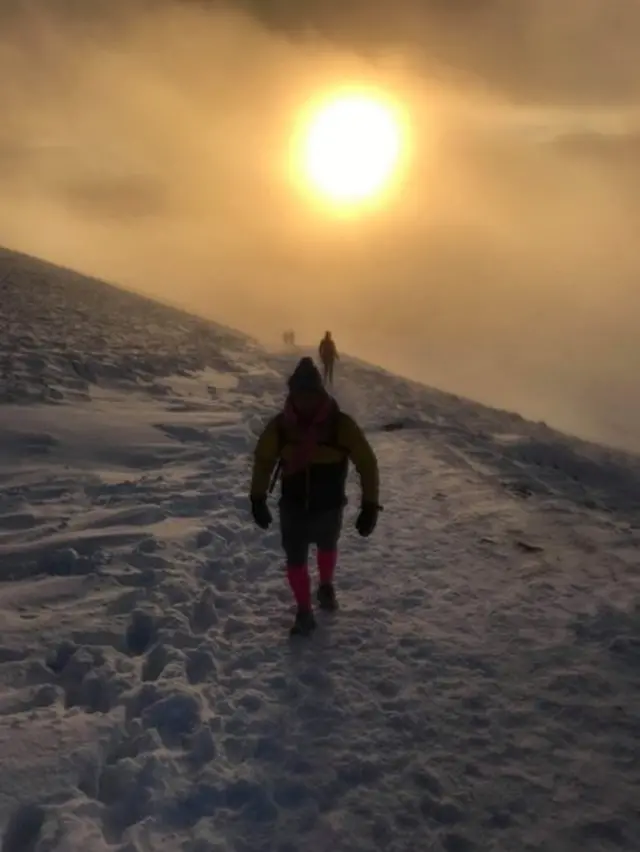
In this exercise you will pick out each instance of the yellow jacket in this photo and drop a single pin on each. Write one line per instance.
(320, 486)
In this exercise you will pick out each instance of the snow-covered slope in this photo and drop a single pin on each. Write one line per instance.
(478, 692)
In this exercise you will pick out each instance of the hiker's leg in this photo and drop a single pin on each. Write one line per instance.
(294, 535)
(326, 535)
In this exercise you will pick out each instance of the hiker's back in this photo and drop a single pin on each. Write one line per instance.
(327, 349)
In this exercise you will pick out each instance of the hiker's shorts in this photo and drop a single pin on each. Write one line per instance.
(299, 530)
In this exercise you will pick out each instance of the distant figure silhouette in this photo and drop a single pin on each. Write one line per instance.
(328, 356)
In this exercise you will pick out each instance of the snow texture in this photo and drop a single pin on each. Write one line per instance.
(477, 692)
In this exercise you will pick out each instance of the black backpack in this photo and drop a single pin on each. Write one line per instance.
(330, 441)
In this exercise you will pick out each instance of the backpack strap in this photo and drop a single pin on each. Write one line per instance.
(282, 439)
(274, 478)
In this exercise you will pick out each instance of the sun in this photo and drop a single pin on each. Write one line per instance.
(352, 145)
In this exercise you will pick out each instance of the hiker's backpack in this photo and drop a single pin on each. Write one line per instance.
(330, 441)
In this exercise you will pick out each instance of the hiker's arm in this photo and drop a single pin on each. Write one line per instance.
(265, 457)
(361, 454)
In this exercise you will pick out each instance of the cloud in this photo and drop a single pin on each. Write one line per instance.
(150, 144)
(546, 50)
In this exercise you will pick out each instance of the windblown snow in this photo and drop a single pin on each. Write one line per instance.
(477, 692)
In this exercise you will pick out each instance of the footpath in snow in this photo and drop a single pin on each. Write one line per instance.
(479, 691)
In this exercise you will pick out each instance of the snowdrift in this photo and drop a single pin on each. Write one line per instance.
(479, 690)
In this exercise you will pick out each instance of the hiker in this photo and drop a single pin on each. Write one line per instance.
(312, 441)
(328, 355)
(289, 338)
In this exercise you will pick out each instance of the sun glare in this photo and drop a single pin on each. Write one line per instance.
(351, 148)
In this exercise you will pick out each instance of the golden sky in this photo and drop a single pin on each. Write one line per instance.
(151, 143)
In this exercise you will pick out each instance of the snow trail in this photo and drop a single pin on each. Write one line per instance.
(477, 692)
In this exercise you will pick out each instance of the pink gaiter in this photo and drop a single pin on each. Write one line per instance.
(327, 560)
(298, 576)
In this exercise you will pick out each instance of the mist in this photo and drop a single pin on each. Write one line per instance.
(151, 146)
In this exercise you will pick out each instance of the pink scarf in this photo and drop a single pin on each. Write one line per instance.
(311, 433)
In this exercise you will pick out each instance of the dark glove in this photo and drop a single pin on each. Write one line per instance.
(260, 511)
(367, 519)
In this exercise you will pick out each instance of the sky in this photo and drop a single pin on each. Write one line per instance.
(151, 144)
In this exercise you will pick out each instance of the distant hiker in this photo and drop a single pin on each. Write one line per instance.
(311, 442)
(328, 355)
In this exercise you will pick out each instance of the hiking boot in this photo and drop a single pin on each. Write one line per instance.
(304, 623)
(327, 597)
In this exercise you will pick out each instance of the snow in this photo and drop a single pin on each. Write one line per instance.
(477, 692)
